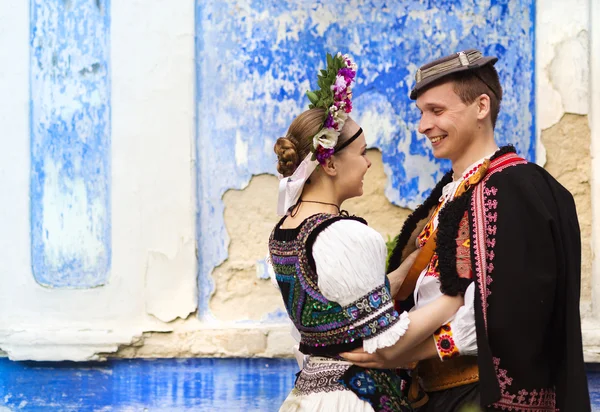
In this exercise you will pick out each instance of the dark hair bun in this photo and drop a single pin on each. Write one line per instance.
(287, 156)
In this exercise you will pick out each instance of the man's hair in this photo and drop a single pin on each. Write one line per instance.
(470, 84)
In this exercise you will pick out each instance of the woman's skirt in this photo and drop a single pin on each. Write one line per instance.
(326, 384)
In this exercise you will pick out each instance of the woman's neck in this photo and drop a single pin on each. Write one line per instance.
(315, 199)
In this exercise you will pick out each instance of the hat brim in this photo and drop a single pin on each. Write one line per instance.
(428, 81)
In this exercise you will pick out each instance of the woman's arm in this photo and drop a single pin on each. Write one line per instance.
(423, 322)
(424, 350)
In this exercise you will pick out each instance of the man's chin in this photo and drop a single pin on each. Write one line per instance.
(439, 153)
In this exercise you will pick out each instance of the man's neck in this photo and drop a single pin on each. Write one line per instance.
(472, 155)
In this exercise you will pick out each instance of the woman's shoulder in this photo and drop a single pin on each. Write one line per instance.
(342, 224)
(345, 231)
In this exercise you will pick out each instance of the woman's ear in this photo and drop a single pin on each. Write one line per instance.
(329, 168)
(483, 106)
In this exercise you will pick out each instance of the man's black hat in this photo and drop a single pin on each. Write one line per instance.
(457, 62)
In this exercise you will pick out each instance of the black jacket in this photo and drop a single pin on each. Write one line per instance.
(526, 260)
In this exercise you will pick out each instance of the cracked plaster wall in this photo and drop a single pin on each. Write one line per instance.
(240, 293)
(563, 85)
(151, 278)
(562, 75)
(154, 287)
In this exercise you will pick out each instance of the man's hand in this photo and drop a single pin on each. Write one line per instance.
(397, 277)
(366, 360)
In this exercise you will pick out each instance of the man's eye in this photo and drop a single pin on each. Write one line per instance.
(437, 112)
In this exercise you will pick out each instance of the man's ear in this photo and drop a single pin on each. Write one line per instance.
(483, 106)
(329, 168)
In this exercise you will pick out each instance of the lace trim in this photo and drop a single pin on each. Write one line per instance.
(388, 337)
(321, 377)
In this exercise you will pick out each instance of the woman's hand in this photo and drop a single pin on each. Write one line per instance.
(397, 276)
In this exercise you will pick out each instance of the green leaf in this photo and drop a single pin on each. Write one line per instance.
(390, 243)
(329, 60)
(312, 96)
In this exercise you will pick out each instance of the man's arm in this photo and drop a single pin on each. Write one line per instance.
(397, 276)
(424, 350)
(423, 322)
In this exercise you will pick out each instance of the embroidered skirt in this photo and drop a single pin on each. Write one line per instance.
(326, 384)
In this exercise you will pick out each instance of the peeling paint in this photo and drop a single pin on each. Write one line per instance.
(170, 291)
(256, 59)
(70, 143)
(569, 72)
(560, 23)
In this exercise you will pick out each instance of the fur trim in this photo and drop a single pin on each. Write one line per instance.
(502, 151)
(409, 226)
(450, 217)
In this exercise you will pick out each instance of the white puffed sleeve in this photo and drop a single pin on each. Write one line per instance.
(458, 336)
(350, 261)
(463, 324)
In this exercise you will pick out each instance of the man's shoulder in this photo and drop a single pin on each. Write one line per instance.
(525, 174)
(529, 183)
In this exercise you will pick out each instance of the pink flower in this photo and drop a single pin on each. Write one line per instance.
(348, 106)
(329, 122)
(323, 154)
(348, 74)
(340, 84)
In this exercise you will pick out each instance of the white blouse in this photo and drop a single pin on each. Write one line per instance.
(427, 288)
(350, 261)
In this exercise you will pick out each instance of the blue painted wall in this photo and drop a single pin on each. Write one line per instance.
(158, 385)
(70, 142)
(256, 60)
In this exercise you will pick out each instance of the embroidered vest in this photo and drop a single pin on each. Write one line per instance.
(326, 328)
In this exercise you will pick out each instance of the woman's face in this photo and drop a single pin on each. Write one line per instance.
(351, 164)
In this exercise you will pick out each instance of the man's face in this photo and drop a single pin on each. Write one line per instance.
(449, 124)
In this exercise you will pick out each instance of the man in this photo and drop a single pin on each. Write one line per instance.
(504, 233)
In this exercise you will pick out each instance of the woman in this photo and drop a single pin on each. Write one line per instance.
(330, 267)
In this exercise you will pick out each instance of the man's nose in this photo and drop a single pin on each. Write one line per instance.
(424, 124)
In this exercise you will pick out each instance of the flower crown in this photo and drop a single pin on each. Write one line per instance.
(335, 96)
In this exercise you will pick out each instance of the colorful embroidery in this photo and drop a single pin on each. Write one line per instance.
(483, 207)
(372, 313)
(543, 400)
(322, 323)
(425, 233)
(433, 267)
(381, 388)
(463, 249)
(444, 342)
(320, 377)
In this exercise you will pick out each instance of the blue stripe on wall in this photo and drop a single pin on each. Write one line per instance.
(70, 142)
(256, 60)
(159, 385)
(171, 385)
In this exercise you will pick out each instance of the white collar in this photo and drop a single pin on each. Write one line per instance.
(450, 189)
